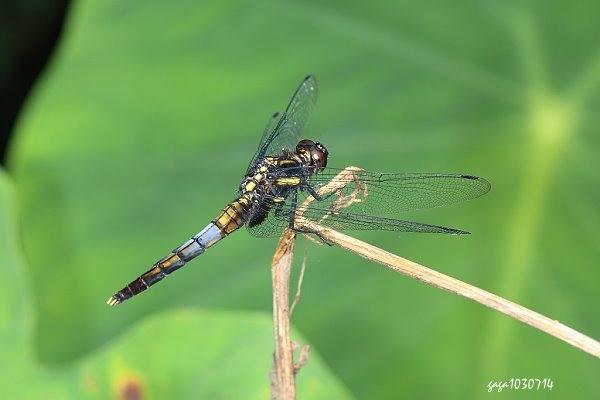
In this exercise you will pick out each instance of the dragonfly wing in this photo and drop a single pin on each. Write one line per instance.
(283, 131)
(345, 221)
(329, 213)
(389, 194)
(273, 121)
(371, 201)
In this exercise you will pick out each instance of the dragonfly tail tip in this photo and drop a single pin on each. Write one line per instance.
(112, 301)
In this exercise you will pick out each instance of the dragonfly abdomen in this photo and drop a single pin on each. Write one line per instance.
(231, 218)
(165, 266)
(234, 215)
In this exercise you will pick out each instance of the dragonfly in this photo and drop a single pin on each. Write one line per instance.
(286, 170)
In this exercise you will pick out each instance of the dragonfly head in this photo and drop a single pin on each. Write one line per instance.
(314, 154)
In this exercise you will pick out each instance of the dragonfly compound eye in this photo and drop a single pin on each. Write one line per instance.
(319, 156)
(304, 144)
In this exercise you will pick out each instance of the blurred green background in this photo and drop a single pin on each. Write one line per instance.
(141, 126)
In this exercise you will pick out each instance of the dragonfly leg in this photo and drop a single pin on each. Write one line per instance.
(278, 205)
(294, 204)
(312, 191)
(317, 234)
(323, 239)
(278, 210)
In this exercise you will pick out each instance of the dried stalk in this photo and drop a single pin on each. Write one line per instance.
(439, 280)
(284, 368)
(283, 374)
(299, 287)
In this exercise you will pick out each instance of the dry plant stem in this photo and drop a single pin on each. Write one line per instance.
(283, 374)
(303, 357)
(298, 295)
(437, 279)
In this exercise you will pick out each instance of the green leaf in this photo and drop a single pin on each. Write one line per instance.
(184, 354)
(144, 123)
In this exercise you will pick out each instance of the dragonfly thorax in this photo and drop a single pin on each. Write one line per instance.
(256, 180)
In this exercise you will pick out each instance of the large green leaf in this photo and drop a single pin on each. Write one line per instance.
(185, 354)
(144, 123)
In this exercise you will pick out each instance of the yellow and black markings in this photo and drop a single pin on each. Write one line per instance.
(288, 181)
(233, 216)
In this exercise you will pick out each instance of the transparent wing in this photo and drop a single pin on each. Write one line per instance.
(370, 201)
(348, 221)
(273, 121)
(324, 214)
(285, 133)
(389, 194)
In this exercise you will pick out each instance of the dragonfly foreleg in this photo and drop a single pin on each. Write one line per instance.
(278, 209)
(311, 191)
(313, 232)
(294, 204)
